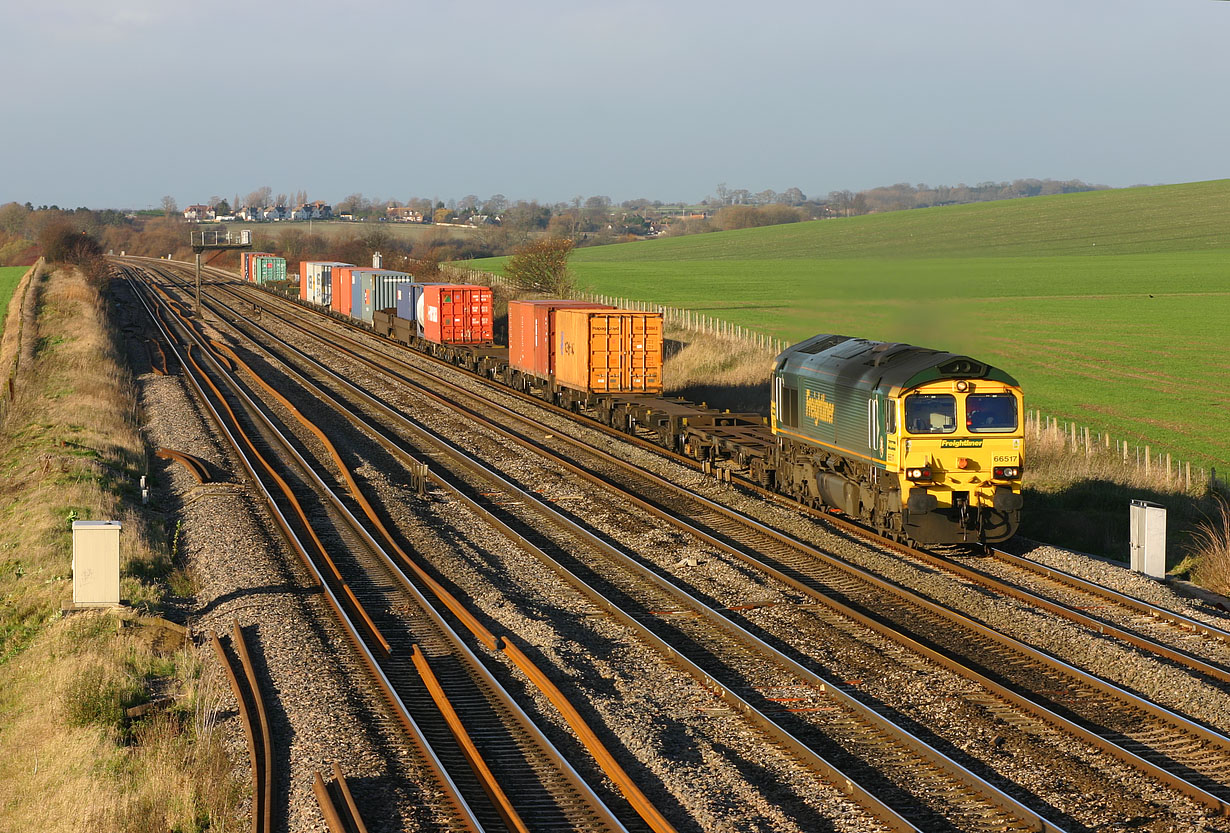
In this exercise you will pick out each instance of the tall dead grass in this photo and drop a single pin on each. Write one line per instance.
(70, 758)
(722, 372)
(1210, 547)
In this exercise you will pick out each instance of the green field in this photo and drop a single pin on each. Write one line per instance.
(9, 278)
(1111, 307)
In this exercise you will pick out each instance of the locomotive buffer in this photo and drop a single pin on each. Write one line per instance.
(216, 240)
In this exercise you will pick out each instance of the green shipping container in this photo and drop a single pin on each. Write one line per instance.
(267, 268)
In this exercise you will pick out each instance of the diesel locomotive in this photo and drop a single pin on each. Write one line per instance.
(920, 444)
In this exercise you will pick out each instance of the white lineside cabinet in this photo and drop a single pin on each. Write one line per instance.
(1148, 538)
(96, 563)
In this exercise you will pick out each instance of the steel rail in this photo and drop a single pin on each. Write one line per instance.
(241, 647)
(341, 814)
(1182, 724)
(563, 766)
(631, 791)
(1123, 599)
(260, 747)
(1144, 643)
(461, 810)
(194, 465)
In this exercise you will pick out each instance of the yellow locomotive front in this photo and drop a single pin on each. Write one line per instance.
(957, 452)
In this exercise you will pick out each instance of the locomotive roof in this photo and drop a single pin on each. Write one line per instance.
(860, 362)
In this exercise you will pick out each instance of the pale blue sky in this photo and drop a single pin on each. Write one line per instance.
(116, 103)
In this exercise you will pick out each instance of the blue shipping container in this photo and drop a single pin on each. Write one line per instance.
(416, 294)
(404, 300)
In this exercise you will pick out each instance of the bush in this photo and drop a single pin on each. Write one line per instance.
(63, 243)
(542, 265)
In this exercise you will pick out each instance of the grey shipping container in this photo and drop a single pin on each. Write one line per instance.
(374, 289)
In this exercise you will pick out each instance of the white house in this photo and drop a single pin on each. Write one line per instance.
(318, 210)
(198, 213)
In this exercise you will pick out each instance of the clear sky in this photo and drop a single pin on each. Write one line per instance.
(115, 103)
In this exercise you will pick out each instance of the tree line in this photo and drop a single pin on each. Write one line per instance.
(505, 224)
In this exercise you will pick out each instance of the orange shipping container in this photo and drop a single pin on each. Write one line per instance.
(609, 351)
(531, 346)
(340, 287)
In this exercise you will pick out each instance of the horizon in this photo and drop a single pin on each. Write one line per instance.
(817, 198)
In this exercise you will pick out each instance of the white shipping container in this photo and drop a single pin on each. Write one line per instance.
(320, 280)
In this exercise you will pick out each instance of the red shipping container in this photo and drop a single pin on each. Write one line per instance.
(303, 280)
(456, 314)
(531, 327)
(339, 280)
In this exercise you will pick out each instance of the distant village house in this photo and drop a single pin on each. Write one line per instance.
(198, 214)
(403, 214)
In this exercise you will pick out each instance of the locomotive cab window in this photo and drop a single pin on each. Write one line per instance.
(990, 412)
(931, 413)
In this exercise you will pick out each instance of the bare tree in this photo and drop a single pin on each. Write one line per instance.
(792, 196)
(259, 198)
(169, 206)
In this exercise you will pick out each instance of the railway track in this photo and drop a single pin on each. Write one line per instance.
(529, 766)
(822, 587)
(936, 779)
(1168, 634)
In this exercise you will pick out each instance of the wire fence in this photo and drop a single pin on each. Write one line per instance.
(1143, 461)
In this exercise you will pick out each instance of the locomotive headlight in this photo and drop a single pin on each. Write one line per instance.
(918, 474)
(962, 386)
(1007, 472)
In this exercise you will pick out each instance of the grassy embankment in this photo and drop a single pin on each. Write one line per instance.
(1112, 308)
(70, 448)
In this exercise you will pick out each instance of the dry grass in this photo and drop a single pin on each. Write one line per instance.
(1210, 547)
(722, 372)
(71, 759)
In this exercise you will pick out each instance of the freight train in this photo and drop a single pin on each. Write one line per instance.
(923, 446)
